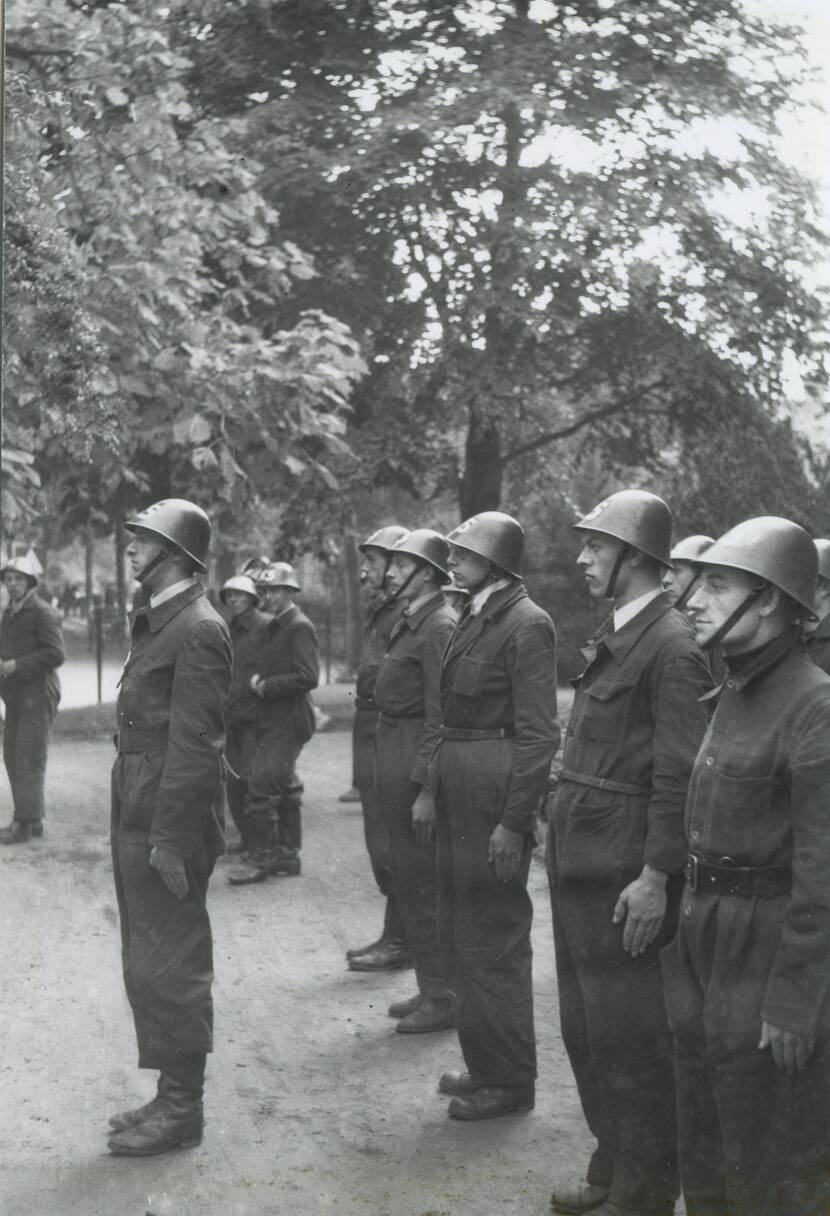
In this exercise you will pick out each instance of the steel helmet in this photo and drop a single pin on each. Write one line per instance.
(255, 564)
(278, 575)
(239, 582)
(492, 534)
(428, 545)
(180, 523)
(636, 517)
(22, 565)
(823, 551)
(690, 549)
(384, 539)
(776, 550)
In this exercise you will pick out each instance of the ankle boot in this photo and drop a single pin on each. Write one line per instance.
(178, 1123)
(256, 865)
(131, 1118)
(18, 832)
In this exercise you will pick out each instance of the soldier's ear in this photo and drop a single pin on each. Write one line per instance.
(771, 600)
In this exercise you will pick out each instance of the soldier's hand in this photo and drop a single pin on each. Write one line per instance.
(643, 905)
(790, 1050)
(504, 852)
(423, 817)
(171, 870)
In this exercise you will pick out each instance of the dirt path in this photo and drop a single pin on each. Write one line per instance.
(315, 1106)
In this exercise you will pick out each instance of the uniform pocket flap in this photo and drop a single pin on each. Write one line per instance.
(607, 689)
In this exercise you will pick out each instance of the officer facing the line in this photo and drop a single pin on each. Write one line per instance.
(498, 738)
(408, 696)
(616, 849)
(748, 975)
(167, 819)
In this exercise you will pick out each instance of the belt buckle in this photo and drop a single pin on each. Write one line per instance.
(691, 869)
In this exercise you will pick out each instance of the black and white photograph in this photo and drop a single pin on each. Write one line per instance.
(415, 608)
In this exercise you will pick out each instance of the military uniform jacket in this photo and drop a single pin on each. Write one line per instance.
(32, 637)
(634, 731)
(409, 677)
(289, 667)
(176, 680)
(376, 634)
(247, 632)
(819, 645)
(499, 672)
(760, 795)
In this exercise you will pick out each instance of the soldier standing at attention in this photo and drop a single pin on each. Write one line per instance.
(498, 738)
(408, 696)
(616, 849)
(390, 951)
(818, 640)
(31, 648)
(246, 627)
(166, 819)
(748, 976)
(286, 670)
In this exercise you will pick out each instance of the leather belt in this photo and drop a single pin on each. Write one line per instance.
(471, 735)
(766, 882)
(365, 703)
(141, 740)
(394, 719)
(603, 783)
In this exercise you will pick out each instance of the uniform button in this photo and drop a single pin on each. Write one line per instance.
(710, 760)
(687, 911)
(730, 683)
(695, 835)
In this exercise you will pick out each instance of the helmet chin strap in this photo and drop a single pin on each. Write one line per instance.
(615, 571)
(154, 562)
(394, 596)
(682, 599)
(733, 618)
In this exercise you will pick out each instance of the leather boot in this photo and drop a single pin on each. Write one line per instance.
(436, 1013)
(492, 1101)
(131, 1118)
(19, 831)
(284, 861)
(391, 955)
(356, 951)
(256, 865)
(402, 1009)
(178, 1122)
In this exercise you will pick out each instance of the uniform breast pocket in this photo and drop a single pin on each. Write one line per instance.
(749, 815)
(474, 677)
(605, 712)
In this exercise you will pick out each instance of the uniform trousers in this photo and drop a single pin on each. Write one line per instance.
(753, 1140)
(166, 943)
(375, 827)
(240, 749)
(414, 874)
(483, 924)
(615, 1031)
(29, 714)
(274, 796)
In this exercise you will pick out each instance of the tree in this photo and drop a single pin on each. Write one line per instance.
(529, 220)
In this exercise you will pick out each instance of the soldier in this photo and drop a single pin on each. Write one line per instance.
(390, 951)
(166, 819)
(247, 627)
(680, 578)
(408, 696)
(616, 849)
(747, 977)
(31, 648)
(819, 635)
(498, 738)
(286, 670)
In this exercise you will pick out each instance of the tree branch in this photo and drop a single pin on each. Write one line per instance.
(605, 411)
(32, 52)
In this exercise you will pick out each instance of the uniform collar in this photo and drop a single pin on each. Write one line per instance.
(621, 642)
(822, 630)
(497, 602)
(246, 619)
(162, 613)
(623, 615)
(172, 591)
(283, 618)
(766, 659)
(26, 602)
(421, 609)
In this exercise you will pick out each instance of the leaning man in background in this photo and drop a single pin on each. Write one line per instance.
(31, 648)
(166, 819)
(748, 975)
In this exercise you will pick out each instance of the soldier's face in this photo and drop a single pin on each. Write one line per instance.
(16, 584)
(677, 580)
(140, 552)
(469, 570)
(275, 599)
(238, 602)
(716, 596)
(373, 568)
(402, 567)
(596, 561)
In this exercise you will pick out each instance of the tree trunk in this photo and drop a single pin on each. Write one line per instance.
(481, 485)
(352, 599)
